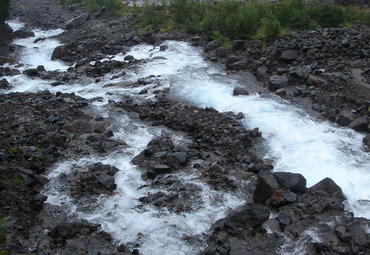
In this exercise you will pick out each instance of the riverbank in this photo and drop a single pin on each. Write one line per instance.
(205, 162)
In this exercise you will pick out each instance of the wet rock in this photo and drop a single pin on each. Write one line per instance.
(281, 92)
(345, 118)
(4, 84)
(59, 52)
(366, 141)
(98, 179)
(277, 82)
(238, 91)
(23, 34)
(289, 55)
(266, 185)
(360, 124)
(158, 169)
(292, 181)
(329, 188)
(71, 229)
(246, 216)
(31, 72)
(129, 58)
(163, 47)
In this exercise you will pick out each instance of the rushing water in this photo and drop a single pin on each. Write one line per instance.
(296, 142)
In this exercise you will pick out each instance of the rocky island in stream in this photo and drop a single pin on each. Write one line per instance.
(165, 128)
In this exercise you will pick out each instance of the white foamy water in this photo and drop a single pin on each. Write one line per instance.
(297, 142)
(38, 53)
(157, 231)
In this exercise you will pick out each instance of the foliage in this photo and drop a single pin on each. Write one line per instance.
(239, 20)
(4, 10)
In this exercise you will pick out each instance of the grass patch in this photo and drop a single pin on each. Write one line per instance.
(237, 20)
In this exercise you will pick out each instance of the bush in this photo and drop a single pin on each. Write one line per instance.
(269, 29)
(254, 19)
(4, 10)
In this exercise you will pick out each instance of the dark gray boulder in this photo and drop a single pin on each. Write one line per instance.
(289, 55)
(292, 181)
(277, 82)
(266, 185)
(238, 91)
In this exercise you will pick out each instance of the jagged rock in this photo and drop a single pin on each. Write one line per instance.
(292, 181)
(23, 33)
(360, 124)
(77, 21)
(277, 82)
(345, 118)
(329, 188)
(266, 185)
(246, 216)
(158, 169)
(4, 84)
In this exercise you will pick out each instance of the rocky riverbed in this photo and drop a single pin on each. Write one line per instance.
(134, 144)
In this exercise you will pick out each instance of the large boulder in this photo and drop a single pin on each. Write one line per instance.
(360, 124)
(292, 181)
(327, 187)
(266, 186)
(246, 216)
(4, 84)
(345, 118)
(59, 52)
(238, 91)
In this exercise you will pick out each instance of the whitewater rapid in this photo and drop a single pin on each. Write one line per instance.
(296, 142)
(156, 231)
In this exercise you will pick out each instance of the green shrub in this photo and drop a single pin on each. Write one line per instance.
(269, 29)
(4, 10)
(240, 20)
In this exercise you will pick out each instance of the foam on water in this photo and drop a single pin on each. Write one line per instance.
(158, 231)
(297, 142)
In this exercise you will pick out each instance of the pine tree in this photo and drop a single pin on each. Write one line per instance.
(4, 10)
